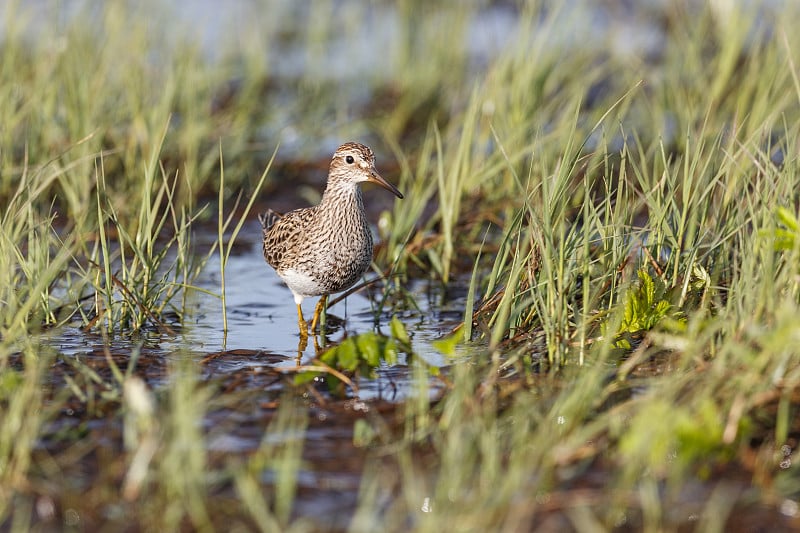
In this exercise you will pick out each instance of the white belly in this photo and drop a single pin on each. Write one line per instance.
(301, 284)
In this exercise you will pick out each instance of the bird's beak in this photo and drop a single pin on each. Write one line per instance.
(376, 178)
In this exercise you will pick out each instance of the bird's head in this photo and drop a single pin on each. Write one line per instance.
(354, 163)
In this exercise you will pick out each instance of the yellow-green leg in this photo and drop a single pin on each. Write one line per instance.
(301, 322)
(318, 310)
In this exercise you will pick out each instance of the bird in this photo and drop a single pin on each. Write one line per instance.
(326, 248)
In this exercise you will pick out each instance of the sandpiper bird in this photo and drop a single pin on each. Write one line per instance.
(326, 248)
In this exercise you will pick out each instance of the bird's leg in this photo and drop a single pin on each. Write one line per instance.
(316, 346)
(317, 312)
(301, 322)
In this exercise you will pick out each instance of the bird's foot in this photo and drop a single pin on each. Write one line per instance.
(318, 310)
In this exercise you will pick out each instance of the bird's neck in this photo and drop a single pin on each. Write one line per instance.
(343, 199)
(342, 193)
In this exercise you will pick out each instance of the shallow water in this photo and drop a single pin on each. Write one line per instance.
(262, 326)
(262, 320)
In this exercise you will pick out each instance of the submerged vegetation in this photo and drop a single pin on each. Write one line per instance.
(624, 224)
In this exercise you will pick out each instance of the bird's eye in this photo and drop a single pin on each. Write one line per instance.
(349, 159)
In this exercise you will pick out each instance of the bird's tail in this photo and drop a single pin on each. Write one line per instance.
(268, 219)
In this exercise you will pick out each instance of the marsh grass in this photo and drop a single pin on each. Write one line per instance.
(135, 271)
(688, 211)
(224, 222)
(561, 188)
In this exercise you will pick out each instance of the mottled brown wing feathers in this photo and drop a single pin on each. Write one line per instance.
(284, 236)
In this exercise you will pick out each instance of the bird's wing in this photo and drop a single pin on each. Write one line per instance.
(284, 236)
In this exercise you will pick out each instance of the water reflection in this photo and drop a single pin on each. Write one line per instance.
(262, 324)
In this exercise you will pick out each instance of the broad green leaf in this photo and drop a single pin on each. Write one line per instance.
(390, 352)
(399, 331)
(342, 357)
(447, 345)
(369, 348)
(302, 378)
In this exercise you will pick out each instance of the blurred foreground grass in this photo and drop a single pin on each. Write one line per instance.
(626, 224)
